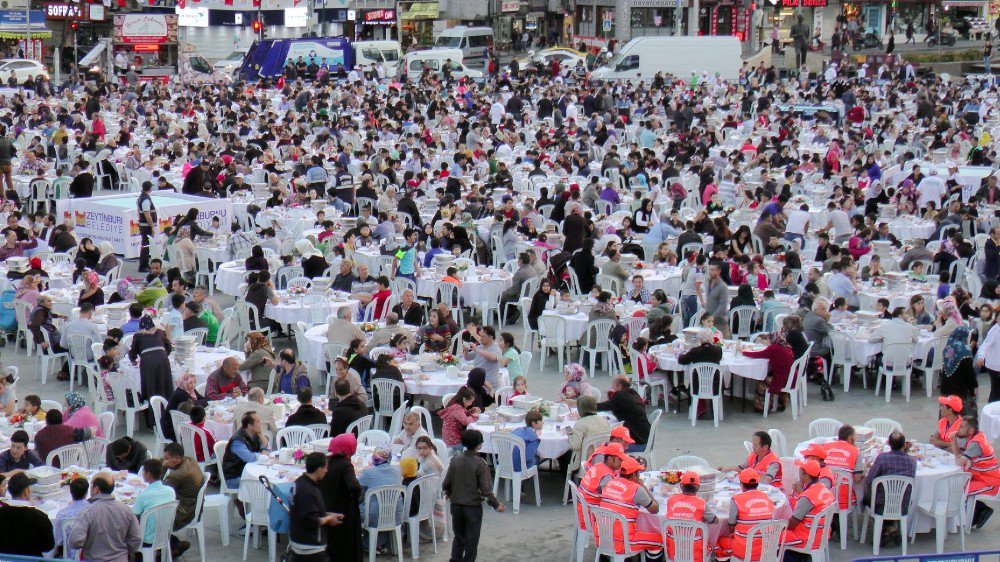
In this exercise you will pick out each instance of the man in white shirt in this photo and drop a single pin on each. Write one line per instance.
(839, 223)
(797, 224)
(898, 330)
(496, 112)
(82, 326)
(842, 285)
(931, 188)
(988, 357)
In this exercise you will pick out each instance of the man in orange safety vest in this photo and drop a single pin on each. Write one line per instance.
(687, 506)
(746, 509)
(974, 453)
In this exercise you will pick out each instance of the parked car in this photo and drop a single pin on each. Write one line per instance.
(21, 69)
(232, 63)
(568, 58)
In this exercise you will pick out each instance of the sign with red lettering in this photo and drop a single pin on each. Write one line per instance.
(813, 3)
(380, 15)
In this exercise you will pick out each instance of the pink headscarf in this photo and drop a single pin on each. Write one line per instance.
(950, 309)
(93, 278)
(345, 444)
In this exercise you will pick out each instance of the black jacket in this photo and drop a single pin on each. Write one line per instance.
(27, 531)
(307, 414)
(132, 462)
(307, 509)
(232, 465)
(346, 412)
(627, 406)
(414, 315)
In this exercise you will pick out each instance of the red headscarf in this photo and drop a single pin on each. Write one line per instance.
(345, 444)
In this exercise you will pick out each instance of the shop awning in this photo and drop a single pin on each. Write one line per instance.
(36, 33)
(422, 11)
(94, 53)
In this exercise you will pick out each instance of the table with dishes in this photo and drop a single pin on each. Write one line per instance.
(231, 274)
(302, 306)
(424, 375)
(281, 467)
(716, 488)
(473, 282)
(932, 464)
(554, 437)
(577, 314)
(51, 494)
(201, 364)
(908, 227)
(221, 420)
(59, 275)
(866, 340)
(733, 361)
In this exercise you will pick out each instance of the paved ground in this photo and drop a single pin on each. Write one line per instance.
(544, 532)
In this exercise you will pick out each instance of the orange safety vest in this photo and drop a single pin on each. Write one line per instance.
(821, 498)
(945, 432)
(685, 508)
(985, 469)
(619, 496)
(752, 507)
(842, 455)
(763, 463)
(589, 488)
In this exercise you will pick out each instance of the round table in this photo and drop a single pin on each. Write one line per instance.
(746, 367)
(867, 342)
(553, 442)
(576, 324)
(201, 364)
(654, 279)
(229, 276)
(908, 228)
(437, 383)
(216, 252)
(989, 420)
(292, 309)
(471, 290)
(934, 465)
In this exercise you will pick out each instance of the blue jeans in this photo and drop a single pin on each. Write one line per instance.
(635, 448)
(689, 305)
(791, 237)
(457, 449)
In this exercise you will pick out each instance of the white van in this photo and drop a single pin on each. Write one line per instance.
(643, 57)
(368, 54)
(473, 41)
(436, 59)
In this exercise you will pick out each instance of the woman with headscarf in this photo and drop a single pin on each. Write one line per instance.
(779, 357)
(589, 424)
(153, 347)
(184, 249)
(906, 198)
(28, 291)
(124, 292)
(108, 259)
(744, 297)
(831, 162)
(482, 390)
(259, 360)
(342, 494)
(92, 291)
(381, 473)
(576, 384)
(79, 416)
(958, 376)
(313, 263)
(186, 392)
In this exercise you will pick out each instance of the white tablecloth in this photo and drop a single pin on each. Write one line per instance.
(470, 291)
(295, 311)
(554, 441)
(438, 383)
(576, 324)
(989, 420)
(229, 276)
(909, 228)
(755, 369)
(201, 364)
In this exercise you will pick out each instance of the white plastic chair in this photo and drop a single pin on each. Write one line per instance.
(360, 425)
(768, 534)
(158, 405)
(48, 357)
(79, 350)
(223, 501)
(425, 419)
(884, 427)
(373, 438)
(386, 390)
(820, 523)
(552, 334)
(843, 485)
(98, 398)
(793, 386)
(709, 379)
(894, 491)
(605, 522)
(932, 368)
(389, 518)
(684, 462)
(126, 399)
(429, 487)
(256, 501)
(842, 355)
(160, 518)
(320, 430)
(596, 339)
(686, 536)
(741, 321)
(949, 500)
(824, 427)
(192, 439)
(197, 524)
(583, 534)
(504, 445)
(647, 453)
(68, 455)
(590, 443)
(96, 448)
(897, 362)
(779, 444)
(107, 422)
(294, 436)
(530, 334)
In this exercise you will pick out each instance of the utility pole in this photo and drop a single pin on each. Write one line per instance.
(27, 28)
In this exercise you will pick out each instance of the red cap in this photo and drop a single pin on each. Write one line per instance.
(621, 432)
(749, 476)
(814, 450)
(810, 467)
(613, 450)
(630, 466)
(953, 402)
(689, 478)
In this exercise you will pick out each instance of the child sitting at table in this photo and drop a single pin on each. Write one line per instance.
(565, 296)
(917, 272)
(839, 312)
(520, 389)
(882, 308)
(643, 358)
(595, 292)
(576, 382)
(708, 323)
(944, 285)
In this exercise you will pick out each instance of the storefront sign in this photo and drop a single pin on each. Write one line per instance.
(510, 6)
(138, 29)
(62, 11)
(789, 3)
(97, 12)
(380, 16)
(297, 17)
(192, 17)
(813, 3)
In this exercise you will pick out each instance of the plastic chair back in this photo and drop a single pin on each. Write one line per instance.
(883, 427)
(686, 535)
(320, 430)
(709, 383)
(894, 489)
(768, 535)
(504, 445)
(429, 486)
(161, 520)
(684, 462)
(824, 427)
(388, 500)
(68, 455)
(294, 436)
(360, 425)
(373, 438)
(605, 522)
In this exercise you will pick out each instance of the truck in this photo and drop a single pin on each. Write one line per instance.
(643, 57)
(267, 58)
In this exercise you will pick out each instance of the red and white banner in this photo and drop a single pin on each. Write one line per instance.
(144, 29)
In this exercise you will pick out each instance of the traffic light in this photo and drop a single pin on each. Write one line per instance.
(74, 26)
(258, 28)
